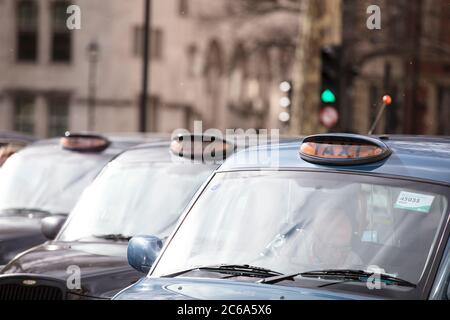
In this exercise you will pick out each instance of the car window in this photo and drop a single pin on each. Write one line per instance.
(313, 221)
(50, 182)
(135, 199)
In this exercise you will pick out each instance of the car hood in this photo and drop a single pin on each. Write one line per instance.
(103, 267)
(18, 233)
(151, 288)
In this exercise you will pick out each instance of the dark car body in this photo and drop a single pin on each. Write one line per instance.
(45, 179)
(200, 288)
(102, 263)
(103, 269)
(412, 160)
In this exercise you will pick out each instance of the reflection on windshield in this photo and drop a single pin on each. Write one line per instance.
(50, 183)
(313, 221)
(135, 199)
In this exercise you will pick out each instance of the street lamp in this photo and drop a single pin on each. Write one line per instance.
(93, 52)
(145, 67)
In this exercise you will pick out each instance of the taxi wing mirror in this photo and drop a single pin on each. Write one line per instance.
(143, 251)
(50, 226)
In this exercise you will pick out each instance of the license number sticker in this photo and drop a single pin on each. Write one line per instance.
(414, 201)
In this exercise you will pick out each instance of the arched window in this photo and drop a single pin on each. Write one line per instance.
(238, 75)
(264, 78)
(214, 58)
(192, 60)
(214, 65)
(213, 72)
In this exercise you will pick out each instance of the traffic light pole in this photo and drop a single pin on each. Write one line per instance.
(145, 68)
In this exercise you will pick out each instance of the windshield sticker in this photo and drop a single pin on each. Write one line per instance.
(414, 202)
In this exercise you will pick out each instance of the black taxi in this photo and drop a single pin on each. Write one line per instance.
(46, 178)
(142, 191)
(330, 216)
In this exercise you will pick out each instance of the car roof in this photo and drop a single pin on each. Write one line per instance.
(148, 152)
(118, 144)
(15, 137)
(416, 157)
(159, 151)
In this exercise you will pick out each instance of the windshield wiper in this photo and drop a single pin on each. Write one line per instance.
(342, 274)
(233, 269)
(113, 237)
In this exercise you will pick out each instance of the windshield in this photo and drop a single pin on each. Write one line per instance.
(135, 199)
(50, 182)
(313, 221)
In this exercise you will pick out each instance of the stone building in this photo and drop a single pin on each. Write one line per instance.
(208, 62)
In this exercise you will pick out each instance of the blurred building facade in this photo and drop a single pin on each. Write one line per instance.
(45, 67)
(208, 62)
(215, 62)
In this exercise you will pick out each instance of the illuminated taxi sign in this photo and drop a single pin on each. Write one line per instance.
(343, 149)
(84, 142)
(200, 147)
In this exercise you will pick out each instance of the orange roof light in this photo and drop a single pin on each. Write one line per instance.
(84, 142)
(342, 149)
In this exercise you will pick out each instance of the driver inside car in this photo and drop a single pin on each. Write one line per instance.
(326, 243)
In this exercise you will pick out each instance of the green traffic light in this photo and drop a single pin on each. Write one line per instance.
(328, 96)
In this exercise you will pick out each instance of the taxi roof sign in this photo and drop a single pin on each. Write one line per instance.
(82, 142)
(201, 147)
(343, 149)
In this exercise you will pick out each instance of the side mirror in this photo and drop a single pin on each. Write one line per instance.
(143, 251)
(50, 226)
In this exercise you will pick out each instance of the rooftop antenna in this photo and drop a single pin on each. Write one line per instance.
(387, 100)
